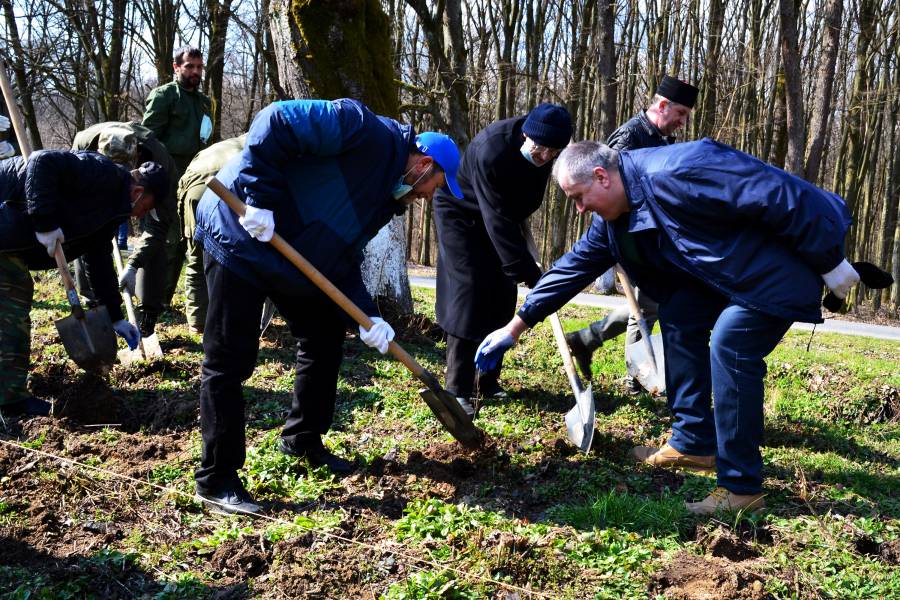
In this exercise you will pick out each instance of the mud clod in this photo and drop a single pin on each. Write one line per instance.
(690, 577)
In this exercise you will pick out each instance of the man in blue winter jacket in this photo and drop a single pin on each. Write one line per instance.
(734, 250)
(327, 175)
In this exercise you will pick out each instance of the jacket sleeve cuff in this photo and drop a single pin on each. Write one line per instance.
(44, 223)
(531, 314)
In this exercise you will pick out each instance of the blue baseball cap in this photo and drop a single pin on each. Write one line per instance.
(445, 153)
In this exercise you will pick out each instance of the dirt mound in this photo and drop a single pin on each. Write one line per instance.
(81, 397)
(411, 328)
(888, 551)
(691, 577)
(725, 544)
(242, 558)
(156, 414)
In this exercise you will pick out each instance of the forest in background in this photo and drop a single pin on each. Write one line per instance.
(812, 86)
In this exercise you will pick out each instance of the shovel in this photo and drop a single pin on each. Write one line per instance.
(87, 336)
(441, 402)
(580, 419)
(644, 359)
(148, 347)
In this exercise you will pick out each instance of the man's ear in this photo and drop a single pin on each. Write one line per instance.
(602, 176)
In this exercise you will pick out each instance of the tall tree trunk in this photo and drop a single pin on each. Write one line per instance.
(328, 49)
(706, 120)
(793, 88)
(823, 101)
(606, 69)
(219, 15)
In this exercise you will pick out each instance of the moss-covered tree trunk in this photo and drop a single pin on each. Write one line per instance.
(342, 48)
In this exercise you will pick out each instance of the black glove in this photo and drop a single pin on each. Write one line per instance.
(870, 275)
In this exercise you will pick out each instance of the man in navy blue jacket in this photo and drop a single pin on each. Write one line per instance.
(328, 175)
(734, 250)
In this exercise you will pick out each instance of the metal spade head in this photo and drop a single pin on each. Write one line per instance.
(580, 420)
(89, 341)
(640, 364)
(451, 415)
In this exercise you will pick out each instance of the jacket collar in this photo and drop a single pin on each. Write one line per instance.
(640, 216)
(652, 130)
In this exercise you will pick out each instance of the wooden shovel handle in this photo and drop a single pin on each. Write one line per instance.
(62, 266)
(322, 282)
(14, 115)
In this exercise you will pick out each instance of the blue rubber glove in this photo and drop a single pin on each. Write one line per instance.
(491, 350)
(128, 332)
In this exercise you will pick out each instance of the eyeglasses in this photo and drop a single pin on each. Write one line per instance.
(552, 152)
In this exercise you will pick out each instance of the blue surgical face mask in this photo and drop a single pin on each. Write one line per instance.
(526, 150)
(205, 128)
(402, 188)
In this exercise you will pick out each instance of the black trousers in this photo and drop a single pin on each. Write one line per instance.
(230, 346)
(462, 380)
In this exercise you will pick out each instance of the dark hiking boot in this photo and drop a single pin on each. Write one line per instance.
(469, 406)
(233, 501)
(582, 353)
(28, 406)
(319, 457)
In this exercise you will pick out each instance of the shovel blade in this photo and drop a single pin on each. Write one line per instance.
(89, 342)
(451, 415)
(580, 420)
(152, 349)
(640, 364)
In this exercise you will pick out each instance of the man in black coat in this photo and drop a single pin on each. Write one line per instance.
(77, 199)
(668, 112)
(482, 247)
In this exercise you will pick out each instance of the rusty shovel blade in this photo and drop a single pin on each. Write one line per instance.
(89, 341)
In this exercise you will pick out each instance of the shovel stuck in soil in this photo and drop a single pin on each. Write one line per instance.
(441, 402)
(644, 358)
(148, 347)
(87, 335)
(580, 418)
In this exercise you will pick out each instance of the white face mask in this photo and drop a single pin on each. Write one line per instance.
(402, 189)
(526, 150)
(205, 128)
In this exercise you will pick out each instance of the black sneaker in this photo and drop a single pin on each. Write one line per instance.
(581, 353)
(319, 457)
(148, 324)
(492, 390)
(633, 387)
(235, 501)
(28, 407)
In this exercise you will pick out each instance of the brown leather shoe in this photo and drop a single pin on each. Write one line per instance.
(722, 499)
(669, 457)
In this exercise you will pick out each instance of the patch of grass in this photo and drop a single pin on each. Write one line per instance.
(430, 585)
(647, 516)
(433, 519)
(269, 473)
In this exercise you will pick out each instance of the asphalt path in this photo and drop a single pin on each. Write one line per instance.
(882, 332)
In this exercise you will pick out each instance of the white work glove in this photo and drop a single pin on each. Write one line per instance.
(492, 349)
(4, 123)
(259, 223)
(7, 150)
(841, 278)
(128, 280)
(48, 240)
(128, 332)
(379, 336)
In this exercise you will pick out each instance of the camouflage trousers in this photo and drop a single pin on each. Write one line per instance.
(16, 292)
(196, 298)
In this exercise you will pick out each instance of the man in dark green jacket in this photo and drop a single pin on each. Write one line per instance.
(145, 273)
(191, 187)
(178, 113)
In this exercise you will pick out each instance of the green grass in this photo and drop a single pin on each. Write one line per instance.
(530, 512)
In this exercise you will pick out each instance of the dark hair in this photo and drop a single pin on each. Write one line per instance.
(186, 51)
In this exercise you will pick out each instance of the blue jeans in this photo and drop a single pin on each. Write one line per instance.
(715, 348)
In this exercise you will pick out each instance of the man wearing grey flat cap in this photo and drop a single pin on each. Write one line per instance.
(482, 247)
(668, 112)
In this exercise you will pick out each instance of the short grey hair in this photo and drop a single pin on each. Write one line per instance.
(580, 158)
